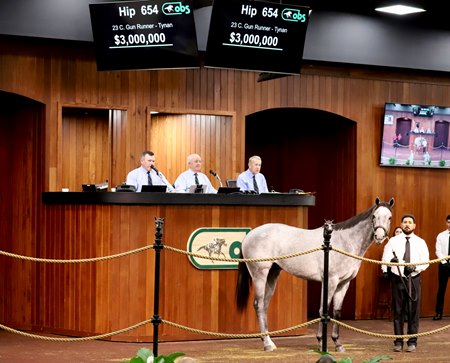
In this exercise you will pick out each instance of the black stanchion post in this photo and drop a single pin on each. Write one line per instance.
(157, 246)
(327, 229)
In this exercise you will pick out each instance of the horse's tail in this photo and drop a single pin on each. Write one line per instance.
(242, 286)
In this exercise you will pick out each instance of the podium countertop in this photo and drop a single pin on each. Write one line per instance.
(131, 198)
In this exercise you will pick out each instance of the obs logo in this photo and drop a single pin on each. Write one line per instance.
(210, 243)
(175, 8)
(293, 15)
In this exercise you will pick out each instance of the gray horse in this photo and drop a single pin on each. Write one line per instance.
(354, 236)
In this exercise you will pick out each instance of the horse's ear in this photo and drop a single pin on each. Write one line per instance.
(391, 202)
(377, 201)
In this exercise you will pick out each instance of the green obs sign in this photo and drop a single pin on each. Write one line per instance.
(216, 243)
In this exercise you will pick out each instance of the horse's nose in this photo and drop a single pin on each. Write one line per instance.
(379, 235)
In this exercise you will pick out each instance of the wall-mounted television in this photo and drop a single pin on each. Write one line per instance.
(154, 34)
(415, 136)
(256, 36)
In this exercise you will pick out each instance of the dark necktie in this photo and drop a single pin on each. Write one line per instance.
(149, 178)
(448, 246)
(196, 179)
(255, 185)
(407, 256)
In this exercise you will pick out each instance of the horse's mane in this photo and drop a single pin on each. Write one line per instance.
(353, 221)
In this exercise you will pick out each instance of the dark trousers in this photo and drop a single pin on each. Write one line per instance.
(443, 275)
(403, 305)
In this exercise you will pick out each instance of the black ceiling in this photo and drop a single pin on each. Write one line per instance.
(434, 18)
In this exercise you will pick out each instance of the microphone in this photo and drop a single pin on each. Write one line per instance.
(216, 176)
(154, 168)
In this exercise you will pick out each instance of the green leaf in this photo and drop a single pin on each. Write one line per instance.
(137, 360)
(346, 360)
(175, 355)
(170, 358)
(144, 353)
(320, 352)
(378, 358)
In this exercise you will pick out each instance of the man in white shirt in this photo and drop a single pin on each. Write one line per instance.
(147, 174)
(442, 250)
(406, 284)
(252, 179)
(193, 176)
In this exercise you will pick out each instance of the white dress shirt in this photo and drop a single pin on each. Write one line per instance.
(138, 177)
(245, 182)
(418, 248)
(442, 245)
(187, 178)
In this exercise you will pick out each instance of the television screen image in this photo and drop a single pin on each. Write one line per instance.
(415, 136)
(256, 36)
(152, 34)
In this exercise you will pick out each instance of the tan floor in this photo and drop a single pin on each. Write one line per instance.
(359, 347)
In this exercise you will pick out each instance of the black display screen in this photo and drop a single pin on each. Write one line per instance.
(415, 136)
(256, 36)
(144, 35)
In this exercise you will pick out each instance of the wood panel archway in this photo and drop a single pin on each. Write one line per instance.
(313, 150)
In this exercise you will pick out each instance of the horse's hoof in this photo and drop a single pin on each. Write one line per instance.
(339, 348)
(269, 348)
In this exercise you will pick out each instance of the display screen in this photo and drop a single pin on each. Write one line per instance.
(256, 36)
(415, 136)
(144, 35)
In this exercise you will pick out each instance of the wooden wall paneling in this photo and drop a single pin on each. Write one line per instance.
(88, 298)
(5, 221)
(352, 93)
(85, 147)
(196, 131)
(205, 146)
(21, 120)
(203, 287)
(182, 152)
(120, 159)
(105, 294)
(178, 154)
(185, 286)
(229, 98)
(189, 88)
(134, 266)
(122, 271)
(274, 94)
(220, 91)
(309, 143)
(135, 128)
(208, 87)
(210, 123)
(176, 136)
(229, 147)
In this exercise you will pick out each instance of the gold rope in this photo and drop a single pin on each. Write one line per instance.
(437, 260)
(223, 335)
(80, 260)
(173, 249)
(389, 336)
(256, 335)
(79, 339)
